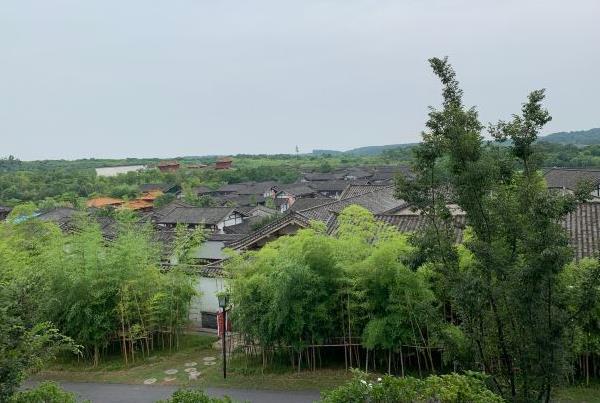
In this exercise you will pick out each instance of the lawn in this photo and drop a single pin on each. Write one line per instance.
(193, 349)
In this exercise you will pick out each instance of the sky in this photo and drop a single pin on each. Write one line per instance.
(139, 78)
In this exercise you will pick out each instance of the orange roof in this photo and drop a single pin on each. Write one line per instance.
(99, 202)
(137, 204)
(151, 195)
(225, 159)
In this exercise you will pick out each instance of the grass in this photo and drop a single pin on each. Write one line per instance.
(193, 348)
(240, 374)
(579, 394)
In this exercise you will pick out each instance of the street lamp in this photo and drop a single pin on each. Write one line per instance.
(223, 301)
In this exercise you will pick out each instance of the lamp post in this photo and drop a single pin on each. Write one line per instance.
(223, 300)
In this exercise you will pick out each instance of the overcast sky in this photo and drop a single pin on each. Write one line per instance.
(116, 78)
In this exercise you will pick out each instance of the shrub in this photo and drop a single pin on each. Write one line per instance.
(46, 392)
(194, 396)
(452, 388)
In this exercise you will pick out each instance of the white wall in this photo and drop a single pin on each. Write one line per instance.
(114, 171)
(207, 301)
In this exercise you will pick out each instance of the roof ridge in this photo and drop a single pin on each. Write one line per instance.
(347, 198)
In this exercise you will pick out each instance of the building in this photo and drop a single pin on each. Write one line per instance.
(123, 169)
(213, 219)
(224, 163)
(138, 205)
(285, 196)
(104, 202)
(567, 179)
(168, 166)
(169, 188)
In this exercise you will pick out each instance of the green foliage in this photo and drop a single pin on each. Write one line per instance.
(582, 137)
(46, 392)
(310, 288)
(163, 200)
(194, 396)
(24, 346)
(505, 283)
(450, 388)
(101, 294)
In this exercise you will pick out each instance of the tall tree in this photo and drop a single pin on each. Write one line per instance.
(506, 288)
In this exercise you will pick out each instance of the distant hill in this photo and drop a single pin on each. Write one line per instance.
(581, 138)
(364, 151)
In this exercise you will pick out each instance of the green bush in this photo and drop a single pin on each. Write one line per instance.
(452, 388)
(194, 396)
(46, 392)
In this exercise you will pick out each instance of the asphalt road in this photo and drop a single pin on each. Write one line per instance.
(120, 393)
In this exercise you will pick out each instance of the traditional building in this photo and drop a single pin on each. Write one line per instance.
(567, 179)
(169, 188)
(104, 202)
(212, 218)
(168, 166)
(223, 163)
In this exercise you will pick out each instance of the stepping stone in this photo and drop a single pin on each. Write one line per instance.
(190, 364)
(169, 379)
(209, 363)
(188, 370)
(150, 381)
(171, 371)
(209, 358)
(193, 375)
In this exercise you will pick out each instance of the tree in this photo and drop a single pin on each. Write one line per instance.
(24, 348)
(506, 288)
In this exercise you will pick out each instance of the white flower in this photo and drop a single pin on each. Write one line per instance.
(363, 381)
(378, 379)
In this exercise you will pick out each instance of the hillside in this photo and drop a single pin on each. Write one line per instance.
(581, 137)
(364, 151)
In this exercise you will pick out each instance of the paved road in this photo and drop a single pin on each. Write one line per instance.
(120, 393)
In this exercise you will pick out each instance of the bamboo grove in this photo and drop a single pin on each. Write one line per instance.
(507, 300)
(107, 295)
(356, 293)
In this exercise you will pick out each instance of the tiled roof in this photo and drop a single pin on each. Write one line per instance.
(304, 203)
(245, 227)
(321, 176)
(100, 202)
(297, 189)
(377, 201)
(329, 186)
(196, 215)
(137, 204)
(415, 222)
(166, 209)
(239, 199)
(569, 177)
(202, 190)
(227, 238)
(354, 190)
(64, 217)
(583, 226)
(255, 210)
(291, 218)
